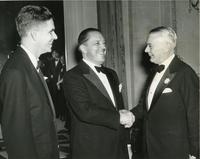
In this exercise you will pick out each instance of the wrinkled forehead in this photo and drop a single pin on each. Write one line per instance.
(95, 36)
(45, 25)
(157, 36)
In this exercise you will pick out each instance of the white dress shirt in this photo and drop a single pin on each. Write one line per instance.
(103, 79)
(56, 62)
(157, 79)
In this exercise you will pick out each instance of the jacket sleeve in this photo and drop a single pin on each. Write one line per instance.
(85, 109)
(190, 95)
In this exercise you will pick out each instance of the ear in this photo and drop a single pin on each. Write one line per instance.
(82, 48)
(34, 35)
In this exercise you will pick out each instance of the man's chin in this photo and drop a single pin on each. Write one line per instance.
(102, 61)
(153, 61)
(49, 49)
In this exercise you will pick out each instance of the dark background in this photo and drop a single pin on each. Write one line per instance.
(8, 34)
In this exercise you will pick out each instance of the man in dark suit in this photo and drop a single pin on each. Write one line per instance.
(170, 105)
(27, 113)
(94, 100)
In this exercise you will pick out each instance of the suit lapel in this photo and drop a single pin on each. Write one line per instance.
(34, 72)
(165, 80)
(93, 78)
(47, 92)
(112, 85)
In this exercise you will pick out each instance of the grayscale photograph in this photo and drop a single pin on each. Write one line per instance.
(99, 79)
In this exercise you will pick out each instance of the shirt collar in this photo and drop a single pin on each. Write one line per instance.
(91, 65)
(168, 61)
(33, 59)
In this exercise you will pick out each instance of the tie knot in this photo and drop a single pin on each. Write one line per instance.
(160, 68)
(100, 69)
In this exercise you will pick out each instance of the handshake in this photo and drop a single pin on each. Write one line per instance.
(126, 118)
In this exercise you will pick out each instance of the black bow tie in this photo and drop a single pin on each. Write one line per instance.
(100, 69)
(160, 68)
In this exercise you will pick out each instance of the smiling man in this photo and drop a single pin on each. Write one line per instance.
(27, 115)
(94, 102)
(170, 105)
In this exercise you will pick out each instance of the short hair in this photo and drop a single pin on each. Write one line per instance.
(29, 16)
(167, 31)
(83, 36)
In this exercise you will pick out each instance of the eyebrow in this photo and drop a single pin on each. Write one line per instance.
(52, 30)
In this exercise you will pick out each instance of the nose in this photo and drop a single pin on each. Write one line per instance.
(55, 37)
(104, 49)
(103, 46)
(146, 49)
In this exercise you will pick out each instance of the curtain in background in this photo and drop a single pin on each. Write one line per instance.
(125, 25)
(109, 14)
